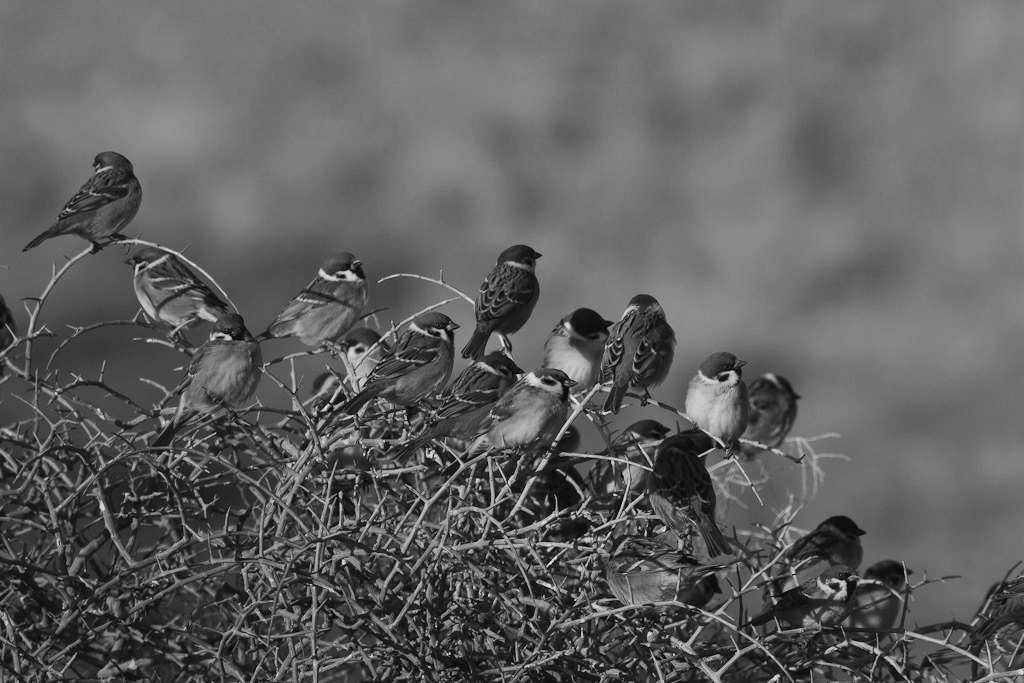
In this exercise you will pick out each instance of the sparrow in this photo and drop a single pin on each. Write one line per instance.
(681, 492)
(716, 399)
(635, 444)
(328, 307)
(529, 415)
(771, 413)
(879, 597)
(224, 374)
(363, 349)
(8, 330)
(106, 204)
(824, 601)
(643, 571)
(576, 345)
(417, 365)
(170, 292)
(506, 299)
(465, 401)
(834, 542)
(999, 626)
(639, 350)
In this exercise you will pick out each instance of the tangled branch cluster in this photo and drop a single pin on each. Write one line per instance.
(261, 549)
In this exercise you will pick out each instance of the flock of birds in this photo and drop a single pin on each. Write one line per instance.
(493, 405)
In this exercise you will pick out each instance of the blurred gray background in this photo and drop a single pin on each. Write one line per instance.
(831, 191)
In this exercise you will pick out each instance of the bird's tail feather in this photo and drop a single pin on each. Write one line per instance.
(713, 538)
(616, 394)
(42, 237)
(411, 446)
(167, 434)
(476, 345)
(762, 618)
(164, 438)
(356, 402)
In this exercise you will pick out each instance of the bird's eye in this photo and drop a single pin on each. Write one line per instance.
(548, 381)
(359, 348)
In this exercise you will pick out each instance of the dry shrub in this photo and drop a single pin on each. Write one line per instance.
(282, 545)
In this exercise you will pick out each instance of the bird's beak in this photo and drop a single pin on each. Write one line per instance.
(571, 382)
(910, 572)
(130, 261)
(536, 255)
(860, 532)
(452, 326)
(739, 364)
(357, 263)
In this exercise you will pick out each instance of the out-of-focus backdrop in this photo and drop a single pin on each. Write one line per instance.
(831, 191)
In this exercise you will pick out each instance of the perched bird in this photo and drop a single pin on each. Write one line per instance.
(716, 399)
(681, 492)
(771, 414)
(465, 401)
(642, 571)
(224, 374)
(880, 596)
(328, 307)
(106, 204)
(170, 292)
(417, 366)
(834, 542)
(635, 444)
(639, 350)
(529, 415)
(823, 601)
(576, 345)
(364, 350)
(506, 299)
(999, 626)
(8, 330)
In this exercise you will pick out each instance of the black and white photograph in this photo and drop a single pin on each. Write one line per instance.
(521, 341)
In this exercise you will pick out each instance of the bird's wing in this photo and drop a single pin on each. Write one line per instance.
(505, 289)
(198, 358)
(100, 190)
(703, 488)
(811, 545)
(318, 293)
(614, 349)
(466, 401)
(408, 355)
(1004, 607)
(647, 357)
(683, 480)
(172, 276)
(503, 409)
